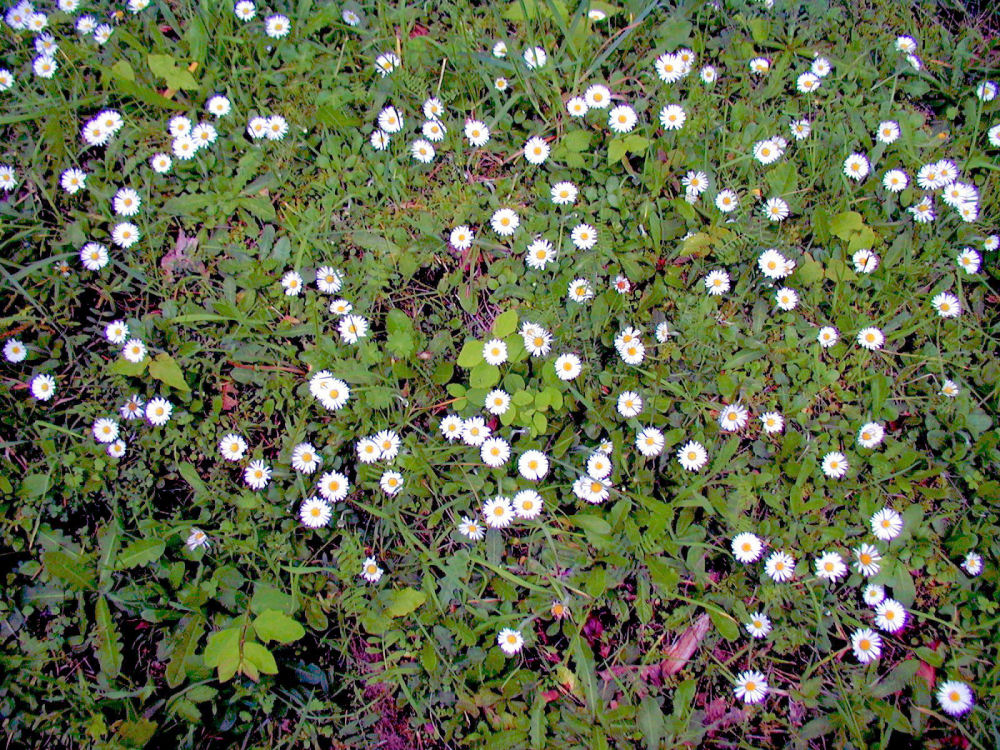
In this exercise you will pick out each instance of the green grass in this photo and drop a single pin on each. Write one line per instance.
(115, 633)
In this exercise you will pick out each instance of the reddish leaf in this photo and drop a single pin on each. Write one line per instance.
(682, 650)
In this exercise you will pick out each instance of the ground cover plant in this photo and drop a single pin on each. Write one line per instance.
(532, 374)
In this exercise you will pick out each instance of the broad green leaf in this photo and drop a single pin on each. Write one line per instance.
(141, 552)
(505, 324)
(109, 646)
(727, 627)
(471, 354)
(617, 148)
(272, 625)
(190, 475)
(222, 652)
(843, 225)
(650, 719)
(166, 370)
(122, 366)
(185, 643)
(257, 659)
(404, 601)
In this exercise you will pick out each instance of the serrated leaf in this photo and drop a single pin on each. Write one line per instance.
(141, 552)
(72, 570)
(166, 370)
(109, 646)
(617, 149)
(184, 646)
(272, 625)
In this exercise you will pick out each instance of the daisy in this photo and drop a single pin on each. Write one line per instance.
(292, 283)
(584, 236)
(766, 151)
(906, 44)
(533, 465)
(955, 697)
(760, 65)
(328, 280)
(750, 687)
(184, 147)
(371, 571)
(451, 427)
(806, 83)
(305, 459)
(870, 435)
(386, 63)
(947, 305)
(477, 132)
(73, 180)
(535, 57)
(672, 117)
(873, 594)
(776, 209)
(958, 194)
(692, 456)
(727, 201)
(717, 282)
(577, 106)
(866, 644)
(597, 96)
(475, 431)
(461, 237)
(772, 422)
(422, 151)
(914, 62)
(827, 336)
(821, 67)
(197, 538)
(105, 430)
(886, 524)
(670, 68)
(8, 180)
(887, 132)
(629, 404)
(205, 135)
(890, 616)
(708, 75)
(786, 299)
(277, 127)
(835, 465)
(116, 449)
(232, 447)
(340, 307)
(390, 120)
(774, 265)
(495, 452)
(536, 150)
(564, 193)
(471, 529)
(133, 408)
(649, 442)
(538, 343)
(866, 560)
(510, 641)
(126, 202)
(388, 444)
(391, 482)
(500, 50)
(568, 366)
(759, 625)
(800, 129)
(44, 66)
(598, 466)
(95, 134)
(527, 504)
(14, 351)
(632, 354)
(495, 352)
(245, 10)
(94, 256)
(379, 140)
(621, 284)
(43, 387)
(780, 566)
(895, 181)
(134, 351)
(352, 328)
(368, 451)
(986, 91)
(160, 163)
(433, 131)
(315, 513)
(830, 567)
(580, 290)
(539, 254)
(158, 411)
(747, 548)
(218, 105)
(331, 392)
(591, 490)
(695, 182)
(333, 486)
(949, 388)
(856, 167)
(498, 512)
(973, 563)
(497, 402)
(870, 338)
(733, 417)
(622, 119)
(993, 135)
(505, 222)
(865, 261)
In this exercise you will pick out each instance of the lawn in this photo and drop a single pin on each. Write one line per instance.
(533, 374)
